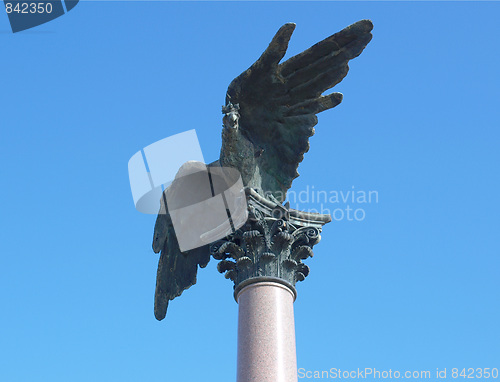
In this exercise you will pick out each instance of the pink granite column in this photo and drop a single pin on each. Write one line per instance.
(266, 334)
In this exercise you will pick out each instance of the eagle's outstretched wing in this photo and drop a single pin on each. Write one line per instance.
(176, 270)
(278, 103)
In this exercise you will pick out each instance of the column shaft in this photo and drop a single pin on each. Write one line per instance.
(266, 334)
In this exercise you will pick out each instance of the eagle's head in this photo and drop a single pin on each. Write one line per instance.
(231, 116)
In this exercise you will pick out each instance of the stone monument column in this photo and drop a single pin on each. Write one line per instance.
(269, 115)
(264, 260)
(266, 333)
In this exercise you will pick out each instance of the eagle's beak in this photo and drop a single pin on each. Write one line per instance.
(233, 118)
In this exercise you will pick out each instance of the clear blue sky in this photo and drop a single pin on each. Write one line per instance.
(414, 286)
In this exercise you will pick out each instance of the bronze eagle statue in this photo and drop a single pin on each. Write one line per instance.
(269, 115)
